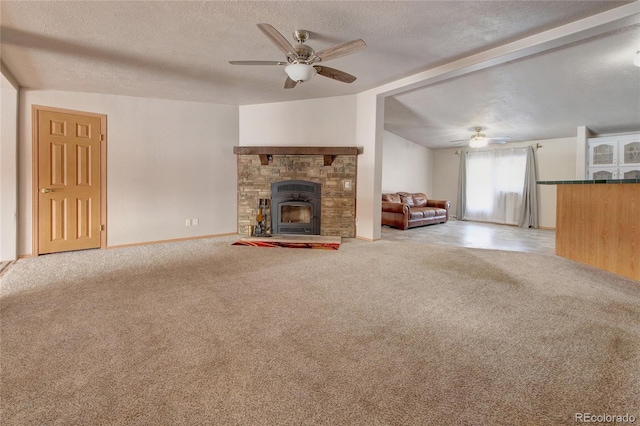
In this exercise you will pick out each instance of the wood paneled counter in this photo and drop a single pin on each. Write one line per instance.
(598, 223)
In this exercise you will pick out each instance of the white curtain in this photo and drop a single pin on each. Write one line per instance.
(461, 205)
(529, 216)
(495, 182)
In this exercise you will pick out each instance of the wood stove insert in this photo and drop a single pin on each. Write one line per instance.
(296, 207)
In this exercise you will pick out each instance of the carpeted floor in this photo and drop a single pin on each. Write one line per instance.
(204, 332)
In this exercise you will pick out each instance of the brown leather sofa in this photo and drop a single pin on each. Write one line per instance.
(403, 210)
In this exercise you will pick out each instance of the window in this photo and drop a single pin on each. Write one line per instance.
(495, 184)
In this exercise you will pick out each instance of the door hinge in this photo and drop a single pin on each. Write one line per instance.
(101, 138)
(102, 227)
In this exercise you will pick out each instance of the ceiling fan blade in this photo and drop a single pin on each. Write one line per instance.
(341, 50)
(335, 74)
(258, 63)
(290, 84)
(279, 40)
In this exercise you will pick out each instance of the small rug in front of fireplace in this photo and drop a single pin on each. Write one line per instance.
(292, 241)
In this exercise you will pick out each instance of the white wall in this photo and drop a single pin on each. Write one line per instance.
(406, 166)
(369, 131)
(445, 176)
(167, 161)
(8, 169)
(556, 161)
(582, 140)
(312, 122)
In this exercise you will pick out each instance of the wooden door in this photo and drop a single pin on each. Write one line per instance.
(69, 181)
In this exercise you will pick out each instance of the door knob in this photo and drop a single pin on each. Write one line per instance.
(45, 190)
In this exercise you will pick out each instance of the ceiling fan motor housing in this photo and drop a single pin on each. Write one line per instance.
(305, 53)
(300, 69)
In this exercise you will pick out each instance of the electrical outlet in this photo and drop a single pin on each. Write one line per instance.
(195, 221)
(346, 185)
(187, 222)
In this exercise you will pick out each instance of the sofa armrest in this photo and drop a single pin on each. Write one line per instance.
(395, 207)
(442, 204)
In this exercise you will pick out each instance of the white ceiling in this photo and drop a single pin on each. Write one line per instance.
(180, 50)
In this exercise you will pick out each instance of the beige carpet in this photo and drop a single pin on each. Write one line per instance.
(204, 332)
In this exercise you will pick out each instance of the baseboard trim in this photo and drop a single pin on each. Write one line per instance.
(369, 240)
(173, 240)
(5, 265)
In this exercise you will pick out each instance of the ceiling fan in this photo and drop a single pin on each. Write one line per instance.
(302, 61)
(478, 140)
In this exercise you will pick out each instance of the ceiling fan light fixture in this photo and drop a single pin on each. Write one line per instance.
(636, 60)
(478, 142)
(300, 72)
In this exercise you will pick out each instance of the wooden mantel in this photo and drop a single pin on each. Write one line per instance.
(266, 153)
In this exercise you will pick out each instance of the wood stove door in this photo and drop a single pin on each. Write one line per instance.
(295, 217)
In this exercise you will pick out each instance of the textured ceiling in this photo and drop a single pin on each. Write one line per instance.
(180, 50)
(545, 96)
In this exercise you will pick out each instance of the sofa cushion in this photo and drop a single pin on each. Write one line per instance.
(416, 214)
(392, 198)
(422, 213)
(407, 198)
(420, 199)
(440, 212)
(428, 214)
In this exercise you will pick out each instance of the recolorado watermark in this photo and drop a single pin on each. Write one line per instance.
(604, 418)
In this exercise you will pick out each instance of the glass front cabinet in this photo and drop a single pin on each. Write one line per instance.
(614, 157)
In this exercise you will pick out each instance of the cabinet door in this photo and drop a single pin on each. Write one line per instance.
(599, 173)
(629, 173)
(603, 153)
(629, 153)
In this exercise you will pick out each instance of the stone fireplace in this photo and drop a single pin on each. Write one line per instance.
(332, 173)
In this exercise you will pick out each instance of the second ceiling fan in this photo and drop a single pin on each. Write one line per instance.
(479, 140)
(302, 62)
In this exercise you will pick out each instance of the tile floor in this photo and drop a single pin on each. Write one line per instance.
(478, 235)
